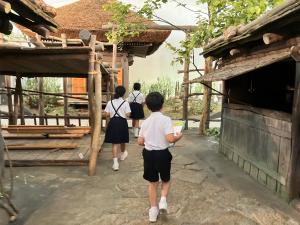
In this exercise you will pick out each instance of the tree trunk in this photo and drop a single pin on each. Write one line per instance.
(185, 98)
(41, 100)
(204, 120)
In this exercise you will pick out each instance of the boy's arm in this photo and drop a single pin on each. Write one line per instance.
(171, 138)
(141, 141)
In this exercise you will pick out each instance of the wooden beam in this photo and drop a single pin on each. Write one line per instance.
(16, 101)
(270, 38)
(125, 72)
(189, 70)
(185, 98)
(114, 68)
(5, 7)
(41, 100)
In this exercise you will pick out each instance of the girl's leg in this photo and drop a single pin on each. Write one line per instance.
(123, 147)
(153, 193)
(115, 157)
(124, 153)
(133, 123)
(163, 205)
(137, 123)
(115, 150)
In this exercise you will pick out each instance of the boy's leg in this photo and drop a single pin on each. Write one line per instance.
(153, 211)
(165, 189)
(153, 193)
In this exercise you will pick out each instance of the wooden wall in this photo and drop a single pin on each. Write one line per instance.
(258, 141)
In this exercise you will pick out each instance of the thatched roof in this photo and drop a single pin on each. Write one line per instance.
(88, 14)
(283, 20)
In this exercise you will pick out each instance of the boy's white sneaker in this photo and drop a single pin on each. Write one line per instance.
(115, 166)
(163, 206)
(124, 155)
(153, 214)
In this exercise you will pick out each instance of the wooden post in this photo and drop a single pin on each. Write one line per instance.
(20, 92)
(65, 84)
(41, 100)
(95, 146)
(125, 69)
(91, 82)
(16, 101)
(185, 98)
(294, 168)
(206, 99)
(112, 75)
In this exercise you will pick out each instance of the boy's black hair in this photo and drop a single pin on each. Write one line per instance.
(154, 101)
(119, 92)
(136, 86)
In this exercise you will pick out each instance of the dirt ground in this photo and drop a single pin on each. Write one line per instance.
(206, 189)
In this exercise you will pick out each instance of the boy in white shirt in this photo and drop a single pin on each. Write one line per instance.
(155, 135)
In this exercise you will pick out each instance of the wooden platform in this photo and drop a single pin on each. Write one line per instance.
(52, 157)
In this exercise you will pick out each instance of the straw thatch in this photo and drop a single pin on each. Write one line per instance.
(88, 14)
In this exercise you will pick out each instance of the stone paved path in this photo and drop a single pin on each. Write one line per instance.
(206, 189)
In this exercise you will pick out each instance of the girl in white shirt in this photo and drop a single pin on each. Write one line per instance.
(117, 129)
(136, 101)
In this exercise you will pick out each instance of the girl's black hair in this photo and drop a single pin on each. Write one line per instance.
(154, 101)
(119, 92)
(136, 86)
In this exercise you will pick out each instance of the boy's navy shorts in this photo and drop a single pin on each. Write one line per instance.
(157, 163)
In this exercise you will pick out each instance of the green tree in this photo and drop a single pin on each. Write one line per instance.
(124, 22)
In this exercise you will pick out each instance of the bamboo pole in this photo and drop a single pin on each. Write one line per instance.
(204, 121)
(20, 95)
(91, 81)
(95, 146)
(41, 100)
(65, 83)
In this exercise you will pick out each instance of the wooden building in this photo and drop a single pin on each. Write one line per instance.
(89, 15)
(259, 64)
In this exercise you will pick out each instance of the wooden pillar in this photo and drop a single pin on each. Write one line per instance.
(20, 95)
(294, 169)
(95, 145)
(204, 121)
(65, 85)
(91, 82)
(41, 100)
(16, 101)
(185, 98)
(125, 69)
(9, 100)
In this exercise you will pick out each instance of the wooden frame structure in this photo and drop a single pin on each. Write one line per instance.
(259, 66)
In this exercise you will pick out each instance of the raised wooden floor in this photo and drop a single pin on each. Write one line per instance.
(78, 156)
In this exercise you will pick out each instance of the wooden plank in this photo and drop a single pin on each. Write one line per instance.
(41, 146)
(25, 163)
(41, 136)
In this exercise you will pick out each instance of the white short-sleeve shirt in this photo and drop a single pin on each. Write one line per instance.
(125, 108)
(139, 99)
(154, 130)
